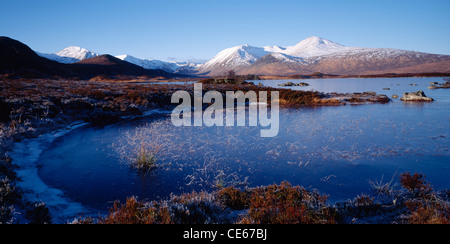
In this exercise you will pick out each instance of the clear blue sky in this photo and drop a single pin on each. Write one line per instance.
(201, 28)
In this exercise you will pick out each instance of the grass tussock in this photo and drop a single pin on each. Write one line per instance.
(136, 212)
(144, 159)
(412, 201)
(234, 198)
(141, 148)
(285, 204)
(425, 206)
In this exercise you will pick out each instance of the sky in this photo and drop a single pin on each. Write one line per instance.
(199, 29)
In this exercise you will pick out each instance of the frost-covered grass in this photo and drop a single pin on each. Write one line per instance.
(286, 204)
(414, 203)
(425, 205)
(193, 208)
(6, 209)
(142, 147)
(145, 160)
(14, 209)
(283, 204)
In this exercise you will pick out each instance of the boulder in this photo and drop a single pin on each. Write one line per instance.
(418, 96)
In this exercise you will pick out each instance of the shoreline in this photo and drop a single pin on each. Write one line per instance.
(313, 76)
(370, 76)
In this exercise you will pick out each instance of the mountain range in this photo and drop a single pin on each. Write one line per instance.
(311, 55)
(317, 54)
(74, 54)
(17, 60)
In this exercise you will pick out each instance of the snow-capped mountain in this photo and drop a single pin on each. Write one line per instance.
(241, 57)
(76, 54)
(317, 54)
(149, 64)
(171, 67)
(234, 58)
(70, 55)
(313, 47)
(311, 55)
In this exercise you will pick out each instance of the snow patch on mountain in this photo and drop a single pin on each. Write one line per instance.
(235, 57)
(313, 47)
(69, 55)
(284, 58)
(274, 49)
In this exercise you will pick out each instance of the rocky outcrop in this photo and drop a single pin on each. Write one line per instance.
(436, 85)
(294, 84)
(418, 96)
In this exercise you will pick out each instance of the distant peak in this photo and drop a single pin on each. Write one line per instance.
(74, 49)
(74, 54)
(313, 46)
(314, 40)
